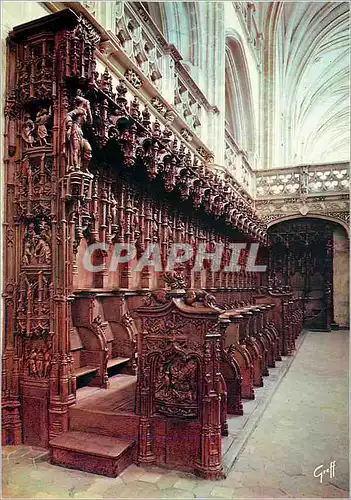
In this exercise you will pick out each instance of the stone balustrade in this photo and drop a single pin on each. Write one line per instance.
(161, 63)
(309, 180)
(238, 165)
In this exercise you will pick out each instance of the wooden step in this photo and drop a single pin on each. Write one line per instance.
(104, 455)
(84, 370)
(116, 361)
(121, 390)
(110, 412)
(123, 424)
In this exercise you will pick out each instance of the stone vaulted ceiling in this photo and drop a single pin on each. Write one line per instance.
(308, 56)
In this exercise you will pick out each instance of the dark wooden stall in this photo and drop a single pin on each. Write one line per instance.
(115, 366)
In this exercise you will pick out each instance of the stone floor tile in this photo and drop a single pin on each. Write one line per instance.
(149, 477)
(86, 494)
(259, 492)
(248, 465)
(132, 473)
(222, 492)
(44, 457)
(135, 489)
(234, 478)
(166, 481)
(203, 490)
(44, 494)
(186, 484)
(173, 493)
(18, 452)
(35, 454)
(6, 450)
(101, 485)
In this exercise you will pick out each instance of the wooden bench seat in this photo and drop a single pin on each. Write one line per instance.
(116, 362)
(85, 370)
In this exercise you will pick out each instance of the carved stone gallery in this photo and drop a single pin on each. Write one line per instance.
(154, 275)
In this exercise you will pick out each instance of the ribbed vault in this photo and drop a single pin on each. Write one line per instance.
(307, 70)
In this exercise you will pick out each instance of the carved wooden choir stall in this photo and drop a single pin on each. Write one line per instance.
(117, 366)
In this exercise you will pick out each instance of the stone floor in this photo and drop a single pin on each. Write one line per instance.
(304, 425)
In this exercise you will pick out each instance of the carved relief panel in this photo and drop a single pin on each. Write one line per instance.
(44, 140)
(176, 389)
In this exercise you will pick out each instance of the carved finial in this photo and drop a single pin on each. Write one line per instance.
(156, 129)
(134, 109)
(146, 118)
(121, 94)
(175, 146)
(166, 136)
(105, 83)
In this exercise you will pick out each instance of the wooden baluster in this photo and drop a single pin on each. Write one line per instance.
(145, 273)
(126, 275)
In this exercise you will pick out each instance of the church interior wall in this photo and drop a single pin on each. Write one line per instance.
(341, 264)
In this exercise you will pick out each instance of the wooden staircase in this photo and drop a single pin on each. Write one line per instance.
(103, 429)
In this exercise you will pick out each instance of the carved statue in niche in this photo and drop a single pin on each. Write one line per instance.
(43, 250)
(37, 246)
(33, 364)
(28, 250)
(28, 128)
(114, 205)
(47, 360)
(176, 382)
(41, 120)
(76, 147)
(81, 102)
(40, 363)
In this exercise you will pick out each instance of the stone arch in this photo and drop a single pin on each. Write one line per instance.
(339, 280)
(340, 222)
(239, 103)
(179, 22)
